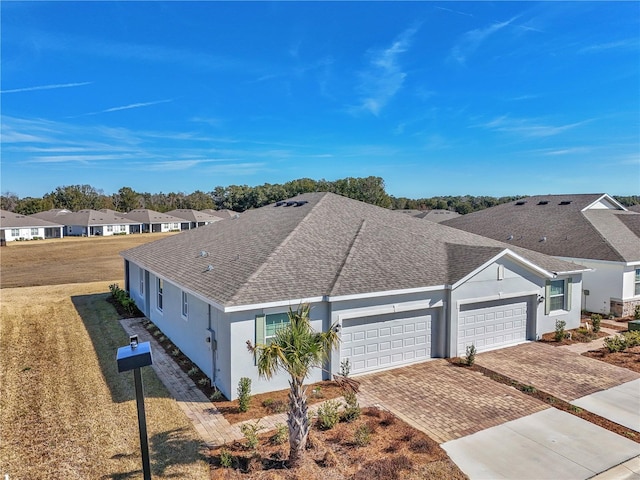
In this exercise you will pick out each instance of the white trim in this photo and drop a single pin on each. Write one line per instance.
(609, 199)
(493, 298)
(280, 303)
(513, 256)
(385, 309)
(384, 293)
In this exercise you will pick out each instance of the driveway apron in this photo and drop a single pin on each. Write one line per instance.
(445, 401)
(606, 390)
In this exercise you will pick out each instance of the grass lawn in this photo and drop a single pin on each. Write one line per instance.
(67, 260)
(65, 412)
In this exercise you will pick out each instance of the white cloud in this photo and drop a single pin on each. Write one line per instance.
(45, 87)
(622, 44)
(527, 127)
(384, 77)
(124, 107)
(471, 40)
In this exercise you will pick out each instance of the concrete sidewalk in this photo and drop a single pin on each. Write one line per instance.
(550, 444)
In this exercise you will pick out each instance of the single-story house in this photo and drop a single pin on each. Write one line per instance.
(151, 221)
(634, 208)
(224, 213)
(434, 215)
(592, 230)
(193, 218)
(14, 226)
(90, 223)
(399, 290)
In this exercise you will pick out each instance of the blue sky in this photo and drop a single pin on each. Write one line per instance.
(437, 98)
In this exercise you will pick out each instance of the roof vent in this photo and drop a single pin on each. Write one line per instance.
(565, 202)
(543, 239)
(300, 203)
(521, 202)
(543, 202)
(510, 237)
(290, 204)
(204, 253)
(279, 204)
(209, 268)
(236, 216)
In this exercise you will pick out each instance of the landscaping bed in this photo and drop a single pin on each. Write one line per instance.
(376, 446)
(630, 358)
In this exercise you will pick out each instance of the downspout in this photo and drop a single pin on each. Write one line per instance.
(213, 346)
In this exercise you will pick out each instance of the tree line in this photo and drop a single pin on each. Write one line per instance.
(243, 197)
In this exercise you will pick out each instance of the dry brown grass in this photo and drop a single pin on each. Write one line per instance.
(65, 412)
(67, 260)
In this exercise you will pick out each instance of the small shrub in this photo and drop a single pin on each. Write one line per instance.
(203, 381)
(420, 445)
(632, 338)
(615, 344)
(175, 352)
(226, 459)
(193, 371)
(575, 409)
(250, 432)
(244, 394)
(636, 313)
(162, 338)
(317, 392)
(470, 357)
(216, 396)
(345, 367)
(352, 408)
(280, 435)
(157, 333)
(150, 326)
(328, 415)
(529, 389)
(595, 322)
(560, 333)
(362, 435)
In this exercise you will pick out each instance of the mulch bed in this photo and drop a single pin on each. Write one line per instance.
(630, 358)
(391, 450)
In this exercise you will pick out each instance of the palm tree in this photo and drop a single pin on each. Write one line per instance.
(296, 348)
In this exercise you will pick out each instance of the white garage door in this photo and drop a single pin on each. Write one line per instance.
(383, 341)
(491, 325)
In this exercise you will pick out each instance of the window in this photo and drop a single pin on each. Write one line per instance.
(160, 288)
(15, 232)
(637, 281)
(34, 232)
(141, 287)
(109, 228)
(185, 305)
(268, 325)
(558, 295)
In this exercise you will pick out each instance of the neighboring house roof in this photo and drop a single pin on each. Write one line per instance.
(93, 217)
(590, 226)
(323, 245)
(51, 215)
(15, 220)
(224, 213)
(193, 215)
(634, 208)
(144, 215)
(437, 215)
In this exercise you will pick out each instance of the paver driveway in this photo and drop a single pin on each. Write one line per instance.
(555, 370)
(445, 401)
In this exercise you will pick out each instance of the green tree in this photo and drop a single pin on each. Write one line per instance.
(296, 349)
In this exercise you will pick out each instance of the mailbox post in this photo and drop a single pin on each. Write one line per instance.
(133, 357)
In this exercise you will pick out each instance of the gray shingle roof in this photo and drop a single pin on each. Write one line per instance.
(92, 217)
(15, 220)
(193, 215)
(330, 245)
(560, 227)
(144, 215)
(52, 215)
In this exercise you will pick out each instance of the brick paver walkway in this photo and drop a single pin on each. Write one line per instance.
(555, 370)
(445, 401)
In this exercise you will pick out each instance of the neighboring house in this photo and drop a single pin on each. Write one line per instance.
(90, 223)
(593, 230)
(634, 208)
(224, 213)
(52, 215)
(435, 215)
(14, 226)
(399, 290)
(193, 218)
(150, 221)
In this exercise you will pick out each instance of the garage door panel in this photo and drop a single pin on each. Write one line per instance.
(387, 340)
(496, 324)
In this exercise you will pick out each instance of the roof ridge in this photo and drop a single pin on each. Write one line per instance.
(347, 257)
(275, 251)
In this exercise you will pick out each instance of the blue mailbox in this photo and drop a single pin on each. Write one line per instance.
(134, 355)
